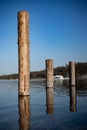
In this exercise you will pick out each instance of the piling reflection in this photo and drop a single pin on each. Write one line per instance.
(49, 101)
(72, 99)
(24, 112)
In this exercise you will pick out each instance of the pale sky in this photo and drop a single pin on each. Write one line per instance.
(58, 30)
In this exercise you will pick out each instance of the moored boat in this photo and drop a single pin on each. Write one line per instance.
(58, 77)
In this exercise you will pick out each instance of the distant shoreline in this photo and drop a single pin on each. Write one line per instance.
(33, 79)
(80, 68)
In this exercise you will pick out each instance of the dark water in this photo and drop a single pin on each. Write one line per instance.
(63, 109)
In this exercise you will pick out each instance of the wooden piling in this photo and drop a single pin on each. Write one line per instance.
(23, 54)
(72, 73)
(24, 112)
(49, 73)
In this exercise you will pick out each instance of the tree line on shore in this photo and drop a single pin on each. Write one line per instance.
(80, 67)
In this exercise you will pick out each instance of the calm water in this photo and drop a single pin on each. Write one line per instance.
(63, 109)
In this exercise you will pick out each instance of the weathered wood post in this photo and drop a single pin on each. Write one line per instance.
(49, 73)
(49, 86)
(72, 73)
(72, 98)
(24, 112)
(23, 54)
(49, 101)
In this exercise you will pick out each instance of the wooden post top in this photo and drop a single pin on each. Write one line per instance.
(23, 27)
(71, 62)
(49, 60)
(23, 12)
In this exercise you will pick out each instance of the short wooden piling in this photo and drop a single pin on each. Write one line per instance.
(24, 112)
(23, 54)
(72, 73)
(72, 99)
(49, 73)
(49, 101)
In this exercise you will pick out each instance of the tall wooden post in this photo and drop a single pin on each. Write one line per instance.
(49, 73)
(72, 73)
(49, 86)
(23, 53)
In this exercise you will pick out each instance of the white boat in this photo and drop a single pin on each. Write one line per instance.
(58, 77)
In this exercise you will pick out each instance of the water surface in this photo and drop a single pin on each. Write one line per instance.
(65, 109)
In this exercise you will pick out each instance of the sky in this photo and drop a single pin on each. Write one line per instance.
(58, 31)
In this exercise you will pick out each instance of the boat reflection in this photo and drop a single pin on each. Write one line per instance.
(49, 101)
(24, 113)
(73, 99)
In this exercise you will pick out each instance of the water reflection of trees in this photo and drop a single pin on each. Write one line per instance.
(62, 86)
(41, 82)
(81, 87)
